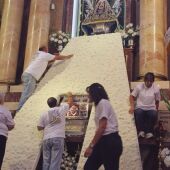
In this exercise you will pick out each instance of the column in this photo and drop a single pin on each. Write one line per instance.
(152, 48)
(10, 39)
(75, 18)
(38, 27)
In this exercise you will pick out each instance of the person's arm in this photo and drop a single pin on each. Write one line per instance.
(10, 127)
(70, 99)
(9, 121)
(157, 104)
(157, 98)
(40, 128)
(62, 57)
(97, 136)
(41, 124)
(132, 104)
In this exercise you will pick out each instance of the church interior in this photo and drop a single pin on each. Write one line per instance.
(113, 42)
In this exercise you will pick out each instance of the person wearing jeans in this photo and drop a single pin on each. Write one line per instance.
(53, 124)
(35, 70)
(53, 149)
(29, 83)
(147, 97)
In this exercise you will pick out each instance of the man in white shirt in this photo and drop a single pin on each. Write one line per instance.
(53, 124)
(35, 70)
(6, 124)
(147, 96)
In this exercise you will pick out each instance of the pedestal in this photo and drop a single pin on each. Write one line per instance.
(129, 59)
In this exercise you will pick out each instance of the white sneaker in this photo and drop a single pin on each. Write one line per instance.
(141, 134)
(149, 135)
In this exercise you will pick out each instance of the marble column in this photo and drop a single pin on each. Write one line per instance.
(38, 28)
(10, 39)
(152, 30)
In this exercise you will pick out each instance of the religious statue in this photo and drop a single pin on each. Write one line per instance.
(100, 17)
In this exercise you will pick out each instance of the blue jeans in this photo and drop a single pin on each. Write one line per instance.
(29, 83)
(145, 120)
(52, 153)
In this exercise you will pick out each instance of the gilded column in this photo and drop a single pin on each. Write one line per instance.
(10, 39)
(38, 27)
(152, 47)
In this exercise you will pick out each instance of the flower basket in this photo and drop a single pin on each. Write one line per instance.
(57, 41)
(129, 35)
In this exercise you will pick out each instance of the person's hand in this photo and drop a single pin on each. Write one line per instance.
(69, 56)
(131, 110)
(69, 94)
(88, 152)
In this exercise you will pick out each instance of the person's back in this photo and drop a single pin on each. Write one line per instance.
(39, 64)
(53, 124)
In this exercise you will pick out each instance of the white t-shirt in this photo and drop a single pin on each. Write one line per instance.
(5, 120)
(38, 64)
(105, 110)
(53, 121)
(146, 97)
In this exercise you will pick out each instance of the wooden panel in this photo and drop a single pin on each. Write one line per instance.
(129, 55)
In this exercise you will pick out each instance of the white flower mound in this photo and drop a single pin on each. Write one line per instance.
(96, 59)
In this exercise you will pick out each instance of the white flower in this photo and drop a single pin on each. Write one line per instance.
(167, 161)
(125, 35)
(130, 25)
(134, 34)
(164, 153)
(60, 32)
(60, 42)
(55, 40)
(65, 40)
(60, 37)
(51, 39)
(130, 31)
(54, 34)
(60, 47)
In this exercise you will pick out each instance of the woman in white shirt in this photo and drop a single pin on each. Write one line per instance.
(6, 124)
(147, 97)
(106, 146)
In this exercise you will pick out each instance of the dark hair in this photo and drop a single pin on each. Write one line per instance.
(149, 77)
(52, 102)
(42, 48)
(97, 92)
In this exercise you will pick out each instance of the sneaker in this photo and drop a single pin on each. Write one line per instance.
(141, 134)
(149, 135)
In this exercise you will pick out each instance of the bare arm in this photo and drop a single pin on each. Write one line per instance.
(157, 104)
(97, 136)
(40, 128)
(62, 57)
(132, 104)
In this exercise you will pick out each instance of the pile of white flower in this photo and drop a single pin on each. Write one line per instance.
(165, 156)
(130, 31)
(69, 162)
(57, 41)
